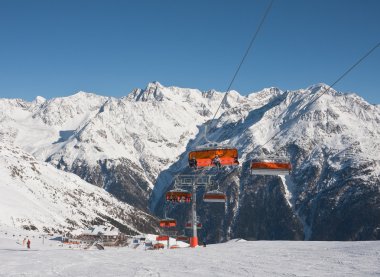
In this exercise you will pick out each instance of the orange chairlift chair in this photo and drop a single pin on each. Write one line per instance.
(183, 238)
(168, 223)
(214, 196)
(162, 238)
(179, 196)
(213, 155)
(271, 166)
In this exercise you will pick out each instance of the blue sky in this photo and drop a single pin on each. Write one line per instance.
(55, 48)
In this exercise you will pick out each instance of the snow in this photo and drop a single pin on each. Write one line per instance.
(235, 258)
(100, 229)
(39, 195)
(288, 186)
(153, 127)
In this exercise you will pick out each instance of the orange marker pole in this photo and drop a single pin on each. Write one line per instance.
(194, 238)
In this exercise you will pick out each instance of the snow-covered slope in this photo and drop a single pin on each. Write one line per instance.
(259, 258)
(37, 196)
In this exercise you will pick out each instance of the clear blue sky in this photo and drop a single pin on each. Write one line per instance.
(55, 48)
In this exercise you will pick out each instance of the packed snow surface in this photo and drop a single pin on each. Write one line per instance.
(236, 258)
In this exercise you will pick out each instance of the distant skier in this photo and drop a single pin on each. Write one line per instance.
(23, 242)
(216, 162)
(236, 160)
(204, 243)
(193, 163)
(28, 244)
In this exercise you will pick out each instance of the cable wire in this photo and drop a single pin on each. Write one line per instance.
(241, 62)
(329, 87)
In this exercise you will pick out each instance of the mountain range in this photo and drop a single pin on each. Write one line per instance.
(132, 147)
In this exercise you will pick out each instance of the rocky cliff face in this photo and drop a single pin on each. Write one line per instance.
(133, 146)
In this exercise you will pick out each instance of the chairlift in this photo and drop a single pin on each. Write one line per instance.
(178, 195)
(168, 223)
(271, 166)
(213, 155)
(182, 238)
(189, 225)
(214, 196)
(158, 246)
(162, 237)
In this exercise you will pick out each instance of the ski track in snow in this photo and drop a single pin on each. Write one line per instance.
(259, 258)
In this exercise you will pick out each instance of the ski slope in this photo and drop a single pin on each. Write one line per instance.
(234, 258)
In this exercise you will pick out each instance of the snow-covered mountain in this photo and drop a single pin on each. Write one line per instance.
(333, 191)
(118, 144)
(133, 146)
(37, 196)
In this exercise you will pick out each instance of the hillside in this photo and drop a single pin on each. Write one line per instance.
(37, 196)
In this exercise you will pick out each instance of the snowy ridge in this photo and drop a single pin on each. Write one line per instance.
(148, 125)
(144, 133)
(36, 195)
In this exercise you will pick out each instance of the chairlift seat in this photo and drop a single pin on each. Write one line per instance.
(271, 167)
(168, 222)
(190, 226)
(204, 157)
(162, 238)
(182, 238)
(178, 195)
(214, 197)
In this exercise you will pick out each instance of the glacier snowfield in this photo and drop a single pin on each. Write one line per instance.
(234, 258)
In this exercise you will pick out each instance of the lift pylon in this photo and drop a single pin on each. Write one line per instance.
(194, 182)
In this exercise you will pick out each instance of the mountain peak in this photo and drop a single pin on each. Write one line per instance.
(210, 93)
(318, 87)
(82, 93)
(154, 85)
(153, 91)
(265, 94)
(39, 100)
(272, 90)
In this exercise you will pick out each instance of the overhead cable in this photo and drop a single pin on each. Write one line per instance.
(243, 59)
